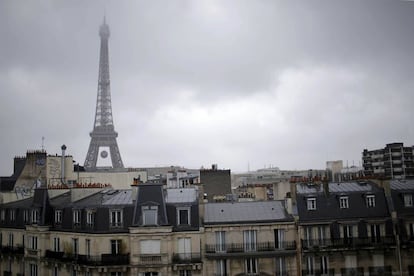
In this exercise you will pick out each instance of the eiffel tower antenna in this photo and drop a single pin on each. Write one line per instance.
(103, 136)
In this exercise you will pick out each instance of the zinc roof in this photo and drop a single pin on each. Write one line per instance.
(335, 187)
(402, 184)
(232, 212)
(181, 195)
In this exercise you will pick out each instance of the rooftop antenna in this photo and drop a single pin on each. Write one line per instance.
(43, 143)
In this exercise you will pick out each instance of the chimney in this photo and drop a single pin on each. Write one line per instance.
(62, 165)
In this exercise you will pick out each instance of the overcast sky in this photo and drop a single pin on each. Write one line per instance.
(238, 83)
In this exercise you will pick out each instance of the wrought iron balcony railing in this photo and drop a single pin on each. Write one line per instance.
(186, 258)
(103, 259)
(317, 244)
(318, 272)
(250, 247)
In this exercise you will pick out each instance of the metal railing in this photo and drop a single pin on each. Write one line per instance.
(180, 258)
(250, 247)
(381, 241)
(103, 259)
(318, 272)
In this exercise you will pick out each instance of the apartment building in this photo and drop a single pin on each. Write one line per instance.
(392, 162)
(345, 229)
(249, 238)
(143, 231)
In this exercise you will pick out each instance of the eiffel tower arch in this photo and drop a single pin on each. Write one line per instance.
(103, 135)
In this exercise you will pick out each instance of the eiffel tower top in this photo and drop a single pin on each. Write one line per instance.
(103, 115)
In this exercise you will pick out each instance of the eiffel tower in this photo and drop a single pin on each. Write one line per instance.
(103, 136)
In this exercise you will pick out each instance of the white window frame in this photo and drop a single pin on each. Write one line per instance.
(324, 265)
(115, 244)
(35, 216)
(58, 216)
(77, 217)
(33, 242)
(221, 267)
(311, 203)
(344, 202)
(3, 215)
(220, 241)
(250, 240)
(56, 244)
(251, 266)
(147, 211)
(116, 218)
(33, 269)
(408, 200)
(179, 209)
(90, 217)
(26, 216)
(370, 200)
(11, 240)
(12, 213)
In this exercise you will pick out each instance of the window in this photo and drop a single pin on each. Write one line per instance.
(348, 233)
(76, 217)
(149, 214)
(11, 240)
(408, 200)
(249, 237)
(370, 200)
(116, 247)
(183, 215)
(55, 271)
(343, 202)
(149, 274)
(3, 215)
(150, 246)
(115, 218)
(12, 215)
(185, 272)
(26, 218)
(58, 216)
(324, 268)
(251, 266)
(88, 247)
(75, 246)
(310, 264)
(33, 269)
(312, 203)
(90, 218)
(35, 216)
(375, 233)
(184, 248)
(322, 236)
(116, 273)
(220, 241)
(281, 266)
(279, 238)
(221, 267)
(33, 242)
(411, 230)
(56, 244)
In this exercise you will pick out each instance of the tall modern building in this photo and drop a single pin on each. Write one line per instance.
(103, 137)
(392, 162)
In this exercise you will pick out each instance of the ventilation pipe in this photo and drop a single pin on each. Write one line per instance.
(62, 165)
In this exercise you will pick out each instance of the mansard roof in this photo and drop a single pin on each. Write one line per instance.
(328, 208)
(399, 189)
(245, 212)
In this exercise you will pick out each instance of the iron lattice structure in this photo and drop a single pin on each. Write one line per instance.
(103, 134)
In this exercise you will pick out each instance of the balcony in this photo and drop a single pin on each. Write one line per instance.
(380, 271)
(350, 243)
(12, 250)
(152, 259)
(316, 272)
(355, 271)
(103, 259)
(186, 258)
(243, 250)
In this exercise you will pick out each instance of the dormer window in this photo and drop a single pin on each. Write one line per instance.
(90, 218)
(12, 213)
(3, 215)
(26, 217)
(58, 216)
(35, 216)
(76, 217)
(149, 215)
(115, 218)
(408, 200)
(370, 200)
(311, 203)
(343, 202)
(183, 215)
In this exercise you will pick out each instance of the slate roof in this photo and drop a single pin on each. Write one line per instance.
(328, 207)
(239, 212)
(402, 184)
